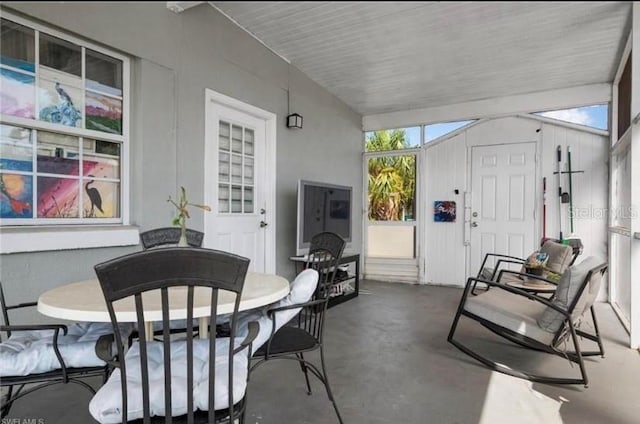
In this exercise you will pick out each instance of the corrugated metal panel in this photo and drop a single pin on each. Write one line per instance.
(388, 56)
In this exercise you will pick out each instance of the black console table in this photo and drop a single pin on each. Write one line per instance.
(337, 299)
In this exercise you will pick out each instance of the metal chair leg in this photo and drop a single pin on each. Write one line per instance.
(303, 366)
(327, 386)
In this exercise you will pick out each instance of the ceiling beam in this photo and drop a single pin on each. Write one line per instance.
(181, 6)
(491, 108)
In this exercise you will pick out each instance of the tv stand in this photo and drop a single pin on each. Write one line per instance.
(350, 283)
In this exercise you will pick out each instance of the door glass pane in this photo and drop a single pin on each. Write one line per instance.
(223, 135)
(18, 93)
(236, 139)
(60, 54)
(223, 198)
(236, 169)
(101, 199)
(236, 199)
(248, 171)
(58, 197)
(101, 159)
(17, 48)
(16, 196)
(15, 148)
(103, 73)
(236, 165)
(223, 167)
(103, 113)
(58, 154)
(248, 200)
(248, 142)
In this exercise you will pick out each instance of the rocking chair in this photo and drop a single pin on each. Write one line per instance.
(543, 325)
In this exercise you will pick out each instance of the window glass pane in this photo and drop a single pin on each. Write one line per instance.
(15, 148)
(101, 200)
(61, 99)
(433, 131)
(61, 55)
(591, 116)
(383, 140)
(223, 198)
(16, 192)
(103, 113)
(392, 188)
(101, 159)
(17, 92)
(17, 48)
(103, 73)
(58, 154)
(57, 197)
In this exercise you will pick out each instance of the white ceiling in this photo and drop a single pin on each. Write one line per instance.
(382, 57)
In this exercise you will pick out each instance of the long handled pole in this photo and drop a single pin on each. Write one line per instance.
(544, 209)
(559, 158)
(570, 189)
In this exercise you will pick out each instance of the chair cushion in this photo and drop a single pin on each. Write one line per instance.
(301, 291)
(289, 339)
(106, 405)
(31, 352)
(570, 282)
(510, 311)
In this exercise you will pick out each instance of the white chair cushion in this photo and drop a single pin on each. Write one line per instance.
(106, 405)
(31, 352)
(510, 311)
(301, 290)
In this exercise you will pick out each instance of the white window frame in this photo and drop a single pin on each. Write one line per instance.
(40, 234)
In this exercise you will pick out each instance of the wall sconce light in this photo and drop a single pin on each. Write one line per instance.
(294, 120)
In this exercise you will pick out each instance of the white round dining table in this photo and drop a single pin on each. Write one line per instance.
(84, 301)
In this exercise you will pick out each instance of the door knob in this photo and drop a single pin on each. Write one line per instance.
(263, 224)
(474, 224)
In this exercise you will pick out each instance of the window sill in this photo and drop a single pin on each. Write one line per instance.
(39, 239)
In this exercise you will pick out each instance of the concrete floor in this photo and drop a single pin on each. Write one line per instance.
(390, 362)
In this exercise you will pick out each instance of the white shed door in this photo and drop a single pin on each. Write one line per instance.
(502, 201)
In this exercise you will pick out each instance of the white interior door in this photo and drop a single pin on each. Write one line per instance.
(238, 187)
(502, 201)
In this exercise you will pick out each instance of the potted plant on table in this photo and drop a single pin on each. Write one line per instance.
(183, 214)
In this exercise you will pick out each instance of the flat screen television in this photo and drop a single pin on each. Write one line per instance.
(322, 207)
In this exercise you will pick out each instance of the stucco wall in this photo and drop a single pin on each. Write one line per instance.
(174, 58)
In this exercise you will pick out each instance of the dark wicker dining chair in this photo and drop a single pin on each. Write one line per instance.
(167, 236)
(305, 332)
(163, 270)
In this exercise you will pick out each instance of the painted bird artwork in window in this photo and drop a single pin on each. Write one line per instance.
(94, 198)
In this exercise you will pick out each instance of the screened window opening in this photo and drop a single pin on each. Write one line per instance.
(395, 139)
(596, 116)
